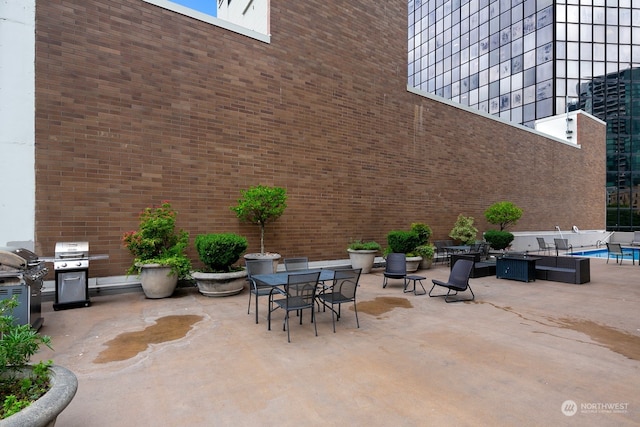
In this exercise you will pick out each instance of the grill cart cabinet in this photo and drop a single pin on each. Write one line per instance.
(516, 267)
(21, 274)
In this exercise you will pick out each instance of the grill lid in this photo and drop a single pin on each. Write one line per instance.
(16, 259)
(66, 250)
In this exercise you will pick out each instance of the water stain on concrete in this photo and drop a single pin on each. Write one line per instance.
(382, 305)
(621, 342)
(129, 344)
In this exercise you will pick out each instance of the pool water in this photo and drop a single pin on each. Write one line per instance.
(602, 253)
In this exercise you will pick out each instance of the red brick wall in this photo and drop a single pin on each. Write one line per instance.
(136, 104)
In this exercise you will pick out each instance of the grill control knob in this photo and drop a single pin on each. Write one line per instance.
(78, 264)
(64, 264)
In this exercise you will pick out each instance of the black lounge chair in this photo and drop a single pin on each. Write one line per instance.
(396, 268)
(458, 281)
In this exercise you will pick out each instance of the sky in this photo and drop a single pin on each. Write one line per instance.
(204, 6)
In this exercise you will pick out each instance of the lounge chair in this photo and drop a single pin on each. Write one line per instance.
(544, 246)
(636, 238)
(458, 281)
(616, 249)
(563, 245)
(396, 268)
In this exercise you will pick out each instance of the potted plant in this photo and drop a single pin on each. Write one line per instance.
(426, 252)
(31, 394)
(159, 251)
(503, 214)
(405, 242)
(463, 230)
(363, 254)
(260, 205)
(218, 252)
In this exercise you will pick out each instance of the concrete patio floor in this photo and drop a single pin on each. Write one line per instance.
(513, 357)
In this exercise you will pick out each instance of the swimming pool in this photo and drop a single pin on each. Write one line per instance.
(602, 253)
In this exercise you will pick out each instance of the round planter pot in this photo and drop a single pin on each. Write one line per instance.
(362, 259)
(413, 263)
(220, 284)
(157, 281)
(426, 263)
(44, 411)
(268, 255)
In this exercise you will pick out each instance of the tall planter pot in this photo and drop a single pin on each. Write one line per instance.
(220, 284)
(275, 257)
(44, 411)
(413, 263)
(426, 263)
(157, 281)
(362, 259)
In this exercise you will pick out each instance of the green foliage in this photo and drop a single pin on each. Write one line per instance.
(17, 344)
(425, 251)
(259, 205)
(359, 245)
(219, 251)
(158, 242)
(423, 231)
(498, 239)
(463, 230)
(403, 242)
(503, 214)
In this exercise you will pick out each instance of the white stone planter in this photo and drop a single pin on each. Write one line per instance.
(426, 263)
(362, 259)
(45, 411)
(413, 263)
(220, 284)
(157, 280)
(267, 255)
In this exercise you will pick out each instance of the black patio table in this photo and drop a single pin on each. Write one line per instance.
(282, 278)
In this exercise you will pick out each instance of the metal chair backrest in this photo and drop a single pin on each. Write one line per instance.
(258, 266)
(614, 248)
(294, 264)
(562, 244)
(302, 288)
(396, 264)
(542, 245)
(460, 273)
(345, 282)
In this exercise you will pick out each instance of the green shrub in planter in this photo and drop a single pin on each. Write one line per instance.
(425, 251)
(423, 230)
(498, 239)
(359, 245)
(403, 242)
(219, 251)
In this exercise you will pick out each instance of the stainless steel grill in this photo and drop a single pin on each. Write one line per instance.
(71, 266)
(21, 275)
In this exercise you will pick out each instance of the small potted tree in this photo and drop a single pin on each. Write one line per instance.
(159, 251)
(463, 230)
(503, 214)
(424, 249)
(363, 254)
(218, 252)
(260, 205)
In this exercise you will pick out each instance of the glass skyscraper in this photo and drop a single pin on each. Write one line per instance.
(525, 60)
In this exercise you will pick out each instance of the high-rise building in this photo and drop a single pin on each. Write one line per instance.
(524, 60)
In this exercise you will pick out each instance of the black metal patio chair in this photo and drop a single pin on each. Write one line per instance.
(254, 267)
(343, 290)
(395, 268)
(299, 294)
(458, 281)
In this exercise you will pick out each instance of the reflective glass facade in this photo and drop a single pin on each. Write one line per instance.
(524, 60)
